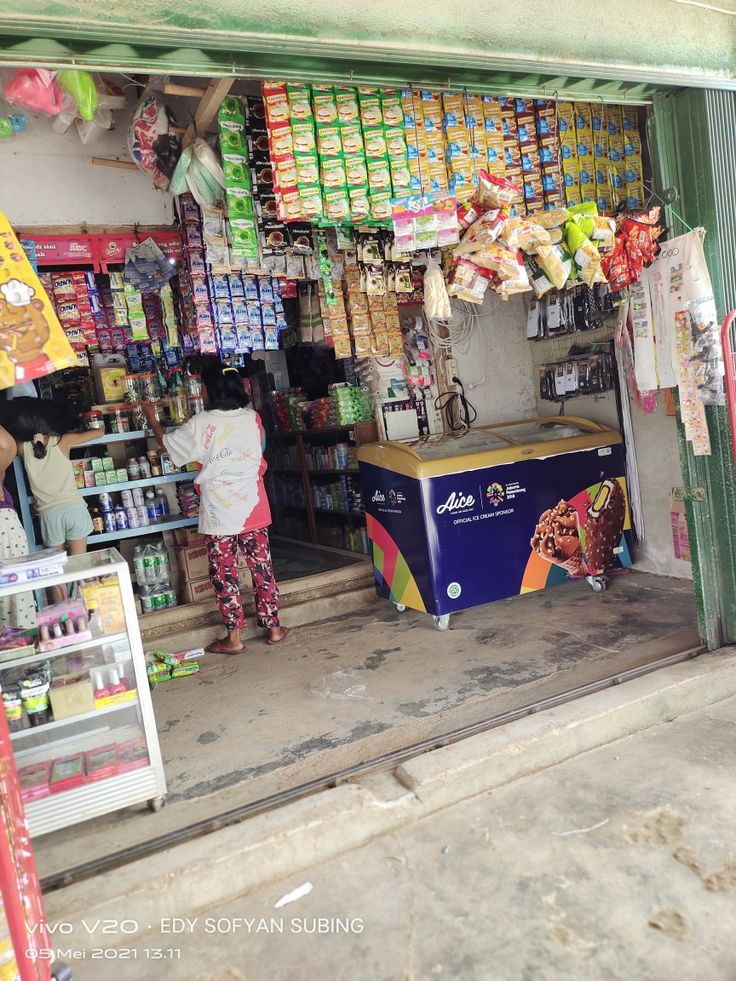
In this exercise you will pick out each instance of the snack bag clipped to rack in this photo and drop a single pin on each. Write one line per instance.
(32, 341)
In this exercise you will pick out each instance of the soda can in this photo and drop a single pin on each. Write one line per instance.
(132, 516)
(146, 601)
(142, 512)
(127, 498)
(169, 598)
(121, 519)
(109, 518)
(138, 497)
(105, 502)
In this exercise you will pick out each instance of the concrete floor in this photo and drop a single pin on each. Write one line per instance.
(250, 726)
(294, 561)
(616, 864)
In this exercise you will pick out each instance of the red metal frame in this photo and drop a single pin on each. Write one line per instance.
(19, 883)
(727, 343)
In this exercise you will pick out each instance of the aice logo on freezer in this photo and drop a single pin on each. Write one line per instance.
(378, 497)
(456, 502)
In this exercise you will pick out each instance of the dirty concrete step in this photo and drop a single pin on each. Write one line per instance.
(308, 600)
(193, 877)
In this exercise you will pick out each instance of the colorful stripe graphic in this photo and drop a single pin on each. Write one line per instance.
(391, 569)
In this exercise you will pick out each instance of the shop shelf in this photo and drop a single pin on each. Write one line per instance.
(86, 645)
(119, 437)
(113, 536)
(328, 473)
(84, 717)
(169, 478)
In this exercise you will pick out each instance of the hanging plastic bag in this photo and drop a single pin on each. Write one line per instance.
(13, 125)
(436, 300)
(81, 87)
(36, 89)
(151, 144)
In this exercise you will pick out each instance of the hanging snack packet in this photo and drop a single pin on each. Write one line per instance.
(468, 281)
(586, 255)
(436, 300)
(555, 263)
(495, 192)
(482, 232)
(518, 282)
(551, 219)
(538, 278)
(526, 234)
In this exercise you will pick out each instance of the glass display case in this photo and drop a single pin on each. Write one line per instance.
(75, 693)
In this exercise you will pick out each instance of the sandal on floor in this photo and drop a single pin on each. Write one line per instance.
(218, 647)
(282, 638)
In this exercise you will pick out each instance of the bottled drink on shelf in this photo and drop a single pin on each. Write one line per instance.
(151, 507)
(162, 502)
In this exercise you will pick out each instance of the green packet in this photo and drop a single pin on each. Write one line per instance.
(162, 657)
(235, 168)
(231, 109)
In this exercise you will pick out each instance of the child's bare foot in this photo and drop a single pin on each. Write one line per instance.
(276, 635)
(231, 644)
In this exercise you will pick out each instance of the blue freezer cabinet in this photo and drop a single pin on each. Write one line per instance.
(459, 520)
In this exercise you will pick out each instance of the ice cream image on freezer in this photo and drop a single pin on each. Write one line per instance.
(557, 539)
(557, 535)
(604, 524)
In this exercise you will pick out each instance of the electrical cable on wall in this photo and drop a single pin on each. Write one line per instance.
(459, 412)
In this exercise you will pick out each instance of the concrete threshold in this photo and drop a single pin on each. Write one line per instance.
(191, 878)
(306, 600)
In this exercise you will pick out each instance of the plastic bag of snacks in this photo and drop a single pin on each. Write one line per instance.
(495, 192)
(586, 255)
(151, 144)
(436, 300)
(556, 263)
(469, 282)
(525, 233)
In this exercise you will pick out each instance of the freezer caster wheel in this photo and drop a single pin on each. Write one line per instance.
(157, 804)
(443, 622)
(400, 607)
(61, 972)
(598, 584)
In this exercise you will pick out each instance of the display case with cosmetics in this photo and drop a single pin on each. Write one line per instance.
(73, 683)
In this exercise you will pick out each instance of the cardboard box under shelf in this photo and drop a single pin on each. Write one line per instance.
(201, 591)
(71, 694)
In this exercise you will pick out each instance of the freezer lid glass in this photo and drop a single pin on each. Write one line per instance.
(456, 444)
(541, 430)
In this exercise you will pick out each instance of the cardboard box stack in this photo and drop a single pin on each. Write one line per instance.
(191, 555)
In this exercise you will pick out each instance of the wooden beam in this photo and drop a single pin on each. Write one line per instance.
(207, 108)
(118, 164)
(194, 91)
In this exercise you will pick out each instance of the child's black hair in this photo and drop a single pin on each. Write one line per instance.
(24, 417)
(224, 386)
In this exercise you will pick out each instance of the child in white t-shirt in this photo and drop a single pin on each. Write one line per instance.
(227, 440)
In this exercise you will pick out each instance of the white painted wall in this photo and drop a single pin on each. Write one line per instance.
(48, 179)
(497, 369)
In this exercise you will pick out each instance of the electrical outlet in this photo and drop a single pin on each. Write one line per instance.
(451, 368)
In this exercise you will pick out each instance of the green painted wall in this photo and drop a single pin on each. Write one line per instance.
(695, 140)
(660, 41)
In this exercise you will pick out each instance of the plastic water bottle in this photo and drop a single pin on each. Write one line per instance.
(151, 506)
(163, 572)
(138, 564)
(162, 503)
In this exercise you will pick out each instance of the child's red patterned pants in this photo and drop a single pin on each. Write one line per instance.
(223, 559)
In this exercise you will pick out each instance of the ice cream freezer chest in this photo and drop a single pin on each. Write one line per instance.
(463, 519)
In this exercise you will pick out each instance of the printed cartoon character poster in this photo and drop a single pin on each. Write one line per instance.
(32, 341)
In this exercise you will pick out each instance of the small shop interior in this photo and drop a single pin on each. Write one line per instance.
(313, 235)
